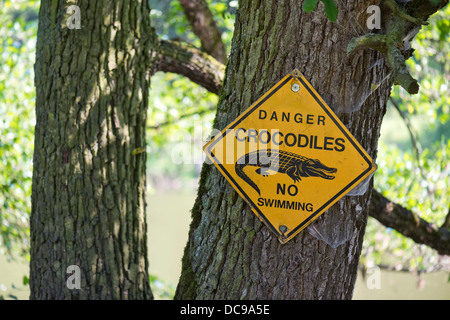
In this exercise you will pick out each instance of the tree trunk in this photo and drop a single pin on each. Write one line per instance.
(230, 253)
(88, 199)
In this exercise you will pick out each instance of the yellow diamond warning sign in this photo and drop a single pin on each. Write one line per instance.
(289, 156)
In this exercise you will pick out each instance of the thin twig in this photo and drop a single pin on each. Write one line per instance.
(412, 135)
(183, 116)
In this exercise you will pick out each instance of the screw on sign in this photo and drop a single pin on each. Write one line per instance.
(289, 156)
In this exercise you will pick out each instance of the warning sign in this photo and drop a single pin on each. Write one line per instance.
(289, 156)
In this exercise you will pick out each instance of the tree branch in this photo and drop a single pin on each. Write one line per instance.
(204, 26)
(192, 63)
(422, 9)
(400, 12)
(395, 216)
(400, 72)
(396, 60)
(405, 17)
(183, 116)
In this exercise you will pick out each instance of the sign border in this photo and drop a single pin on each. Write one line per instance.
(283, 238)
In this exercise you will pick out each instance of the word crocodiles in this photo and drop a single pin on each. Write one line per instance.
(294, 165)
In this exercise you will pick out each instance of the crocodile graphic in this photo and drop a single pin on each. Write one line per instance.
(294, 165)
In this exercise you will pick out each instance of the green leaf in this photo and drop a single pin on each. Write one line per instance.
(330, 9)
(138, 151)
(309, 5)
(25, 280)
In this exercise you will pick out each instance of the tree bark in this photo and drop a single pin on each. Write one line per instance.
(88, 193)
(230, 253)
(202, 21)
(186, 60)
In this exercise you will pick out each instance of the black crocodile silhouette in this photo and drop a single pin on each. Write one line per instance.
(294, 165)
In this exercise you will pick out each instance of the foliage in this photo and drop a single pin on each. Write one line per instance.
(18, 27)
(418, 183)
(161, 290)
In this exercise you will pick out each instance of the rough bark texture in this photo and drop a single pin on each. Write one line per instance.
(88, 200)
(230, 253)
(192, 63)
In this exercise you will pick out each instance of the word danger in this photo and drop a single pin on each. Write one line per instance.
(290, 139)
(297, 117)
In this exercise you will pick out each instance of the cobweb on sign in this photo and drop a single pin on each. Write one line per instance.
(362, 187)
(357, 92)
(332, 228)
